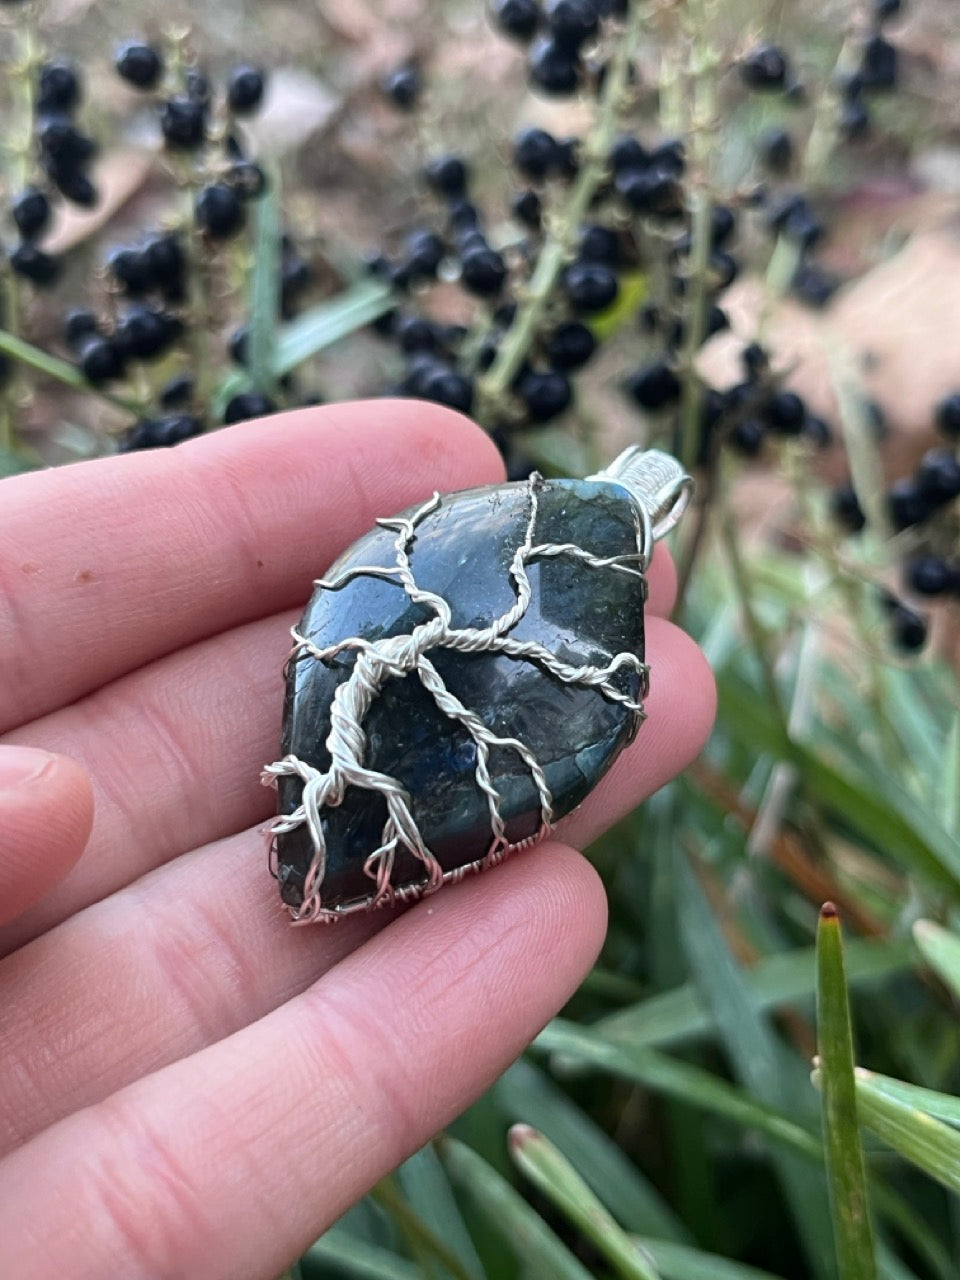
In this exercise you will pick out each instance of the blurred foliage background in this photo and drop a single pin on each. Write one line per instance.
(671, 1123)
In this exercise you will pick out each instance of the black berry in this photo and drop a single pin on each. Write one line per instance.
(590, 287)
(784, 413)
(527, 209)
(775, 149)
(247, 179)
(907, 505)
(177, 392)
(948, 416)
(572, 22)
(100, 359)
(246, 405)
(846, 509)
(31, 213)
(63, 144)
(447, 176)
(446, 386)
(545, 395)
(929, 575)
(570, 346)
(747, 437)
(182, 123)
(58, 87)
(139, 64)
(908, 629)
(219, 211)
(938, 476)
(79, 324)
(765, 68)
(43, 269)
(535, 153)
(599, 244)
(403, 86)
(878, 65)
(245, 89)
(655, 386)
(73, 185)
(483, 271)
(553, 69)
(131, 268)
(144, 333)
(518, 19)
(854, 121)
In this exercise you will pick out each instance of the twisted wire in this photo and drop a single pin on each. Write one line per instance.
(397, 657)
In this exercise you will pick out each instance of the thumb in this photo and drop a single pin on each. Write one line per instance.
(46, 812)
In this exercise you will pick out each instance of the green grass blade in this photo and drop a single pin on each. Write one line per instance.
(944, 1106)
(321, 326)
(265, 289)
(941, 950)
(355, 1257)
(918, 1137)
(761, 1062)
(776, 980)
(424, 1242)
(889, 818)
(554, 1176)
(674, 1079)
(949, 788)
(528, 1095)
(681, 1262)
(846, 1176)
(533, 1242)
(423, 1180)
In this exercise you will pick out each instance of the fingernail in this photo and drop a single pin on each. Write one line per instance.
(21, 765)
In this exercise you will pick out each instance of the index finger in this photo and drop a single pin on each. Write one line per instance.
(106, 565)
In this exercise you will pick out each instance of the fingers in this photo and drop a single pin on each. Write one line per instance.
(46, 812)
(105, 565)
(193, 952)
(230, 1162)
(175, 750)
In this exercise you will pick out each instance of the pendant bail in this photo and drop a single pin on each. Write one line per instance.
(656, 482)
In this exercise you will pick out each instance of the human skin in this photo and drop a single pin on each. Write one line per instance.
(188, 1084)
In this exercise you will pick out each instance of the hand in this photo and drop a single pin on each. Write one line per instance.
(188, 1084)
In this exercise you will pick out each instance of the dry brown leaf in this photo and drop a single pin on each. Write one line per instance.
(118, 176)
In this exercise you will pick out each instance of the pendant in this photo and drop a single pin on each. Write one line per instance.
(462, 679)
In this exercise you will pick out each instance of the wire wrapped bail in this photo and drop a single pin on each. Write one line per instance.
(656, 482)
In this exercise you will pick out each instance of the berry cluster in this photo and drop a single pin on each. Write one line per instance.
(923, 506)
(59, 169)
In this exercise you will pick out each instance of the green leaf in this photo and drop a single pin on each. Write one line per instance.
(776, 980)
(423, 1180)
(355, 1257)
(553, 1175)
(533, 1242)
(941, 950)
(846, 1176)
(919, 1138)
(315, 330)
(527, 1094)
(942, 1105)
(771, 1074)
(681, 1262)
(424, 1242)
(265, 288)
(674, 1079)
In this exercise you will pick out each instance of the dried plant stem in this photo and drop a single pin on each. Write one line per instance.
(558, 245)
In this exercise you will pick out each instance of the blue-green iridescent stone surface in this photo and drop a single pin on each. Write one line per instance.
(463, 552)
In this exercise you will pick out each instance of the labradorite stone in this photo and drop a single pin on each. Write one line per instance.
(463, 552)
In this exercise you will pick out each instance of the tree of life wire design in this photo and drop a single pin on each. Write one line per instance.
(400, 656)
